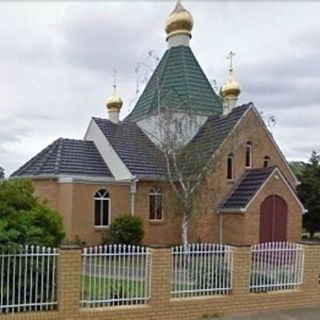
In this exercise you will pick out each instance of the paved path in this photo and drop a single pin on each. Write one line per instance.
(310, 313)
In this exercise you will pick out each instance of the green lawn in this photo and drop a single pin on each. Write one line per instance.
(99, 288)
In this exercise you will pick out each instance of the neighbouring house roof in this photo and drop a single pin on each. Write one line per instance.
(141, 156)
(214, 131)
(66, 157)
(180, 84)
(247, 187)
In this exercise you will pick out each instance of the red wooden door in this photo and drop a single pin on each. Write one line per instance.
(273, 219)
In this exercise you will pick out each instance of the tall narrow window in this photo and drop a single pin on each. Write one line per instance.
(102, 208)
(248, 159)
(155, 204)
(230, 168)
(266, 161)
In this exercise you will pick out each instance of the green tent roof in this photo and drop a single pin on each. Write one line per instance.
(179, 83)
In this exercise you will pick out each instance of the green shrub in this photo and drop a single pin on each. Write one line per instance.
(125, 229)
(25, 219)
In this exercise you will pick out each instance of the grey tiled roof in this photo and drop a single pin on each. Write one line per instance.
(214, 131)
(67, 157)
(246, 188)
(141, 156)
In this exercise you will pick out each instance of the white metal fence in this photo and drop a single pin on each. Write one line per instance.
(115, 275)
(28, 279)
(276, 266)
(201, 269)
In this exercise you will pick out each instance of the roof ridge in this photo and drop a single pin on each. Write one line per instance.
(59, 156)
(157, 94)
(47, 155)
(29, 163)
(184, 69)
(204, 75)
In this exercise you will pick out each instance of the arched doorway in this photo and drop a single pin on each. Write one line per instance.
(273, 219)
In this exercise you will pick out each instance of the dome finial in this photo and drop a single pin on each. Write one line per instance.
(179, 25)
(231, 89)
(114, 103)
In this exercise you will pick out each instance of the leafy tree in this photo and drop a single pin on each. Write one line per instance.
(126, 229)
(297, 168)
(1, 173)
(309, 193)
(25, 219)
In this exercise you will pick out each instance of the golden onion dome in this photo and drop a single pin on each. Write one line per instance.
(114, 102)
(231, 87)
(180, 21)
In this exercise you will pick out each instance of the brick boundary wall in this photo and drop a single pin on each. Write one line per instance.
(161, 306)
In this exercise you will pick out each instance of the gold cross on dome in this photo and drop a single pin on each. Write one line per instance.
(230, 57)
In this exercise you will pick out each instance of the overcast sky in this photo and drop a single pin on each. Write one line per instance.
(57, 59)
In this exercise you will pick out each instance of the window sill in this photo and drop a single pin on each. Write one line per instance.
(155, 222)
(100, 228)
(230, 181)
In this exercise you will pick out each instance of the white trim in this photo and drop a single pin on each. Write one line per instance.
(231, 210)
(64, 178)
(103, 199)
(275, 145)
(117, 167)
(97, 181)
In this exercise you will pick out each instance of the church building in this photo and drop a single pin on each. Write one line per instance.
(247, 189)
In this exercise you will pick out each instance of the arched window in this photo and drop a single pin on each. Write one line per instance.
(102, 208)
(248, 159)
(155, 204)
(266, 161)
(230, 166)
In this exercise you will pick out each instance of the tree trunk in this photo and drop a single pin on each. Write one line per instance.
(184, 229)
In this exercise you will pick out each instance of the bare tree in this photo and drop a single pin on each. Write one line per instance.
(187, 164)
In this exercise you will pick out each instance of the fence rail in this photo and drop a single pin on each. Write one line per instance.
(28, 279)
(276, 266)
(115, 275)
(201, 269)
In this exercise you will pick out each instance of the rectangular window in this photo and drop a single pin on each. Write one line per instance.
(230, 168)
(248, 159)
(97, 212)
(101, 216)
(155, 209)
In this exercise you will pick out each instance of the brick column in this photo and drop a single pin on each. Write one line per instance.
(69, 273)
(311, 270)
(161, 273)
(241, 270)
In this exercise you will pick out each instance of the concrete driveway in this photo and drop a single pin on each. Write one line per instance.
(309, 313)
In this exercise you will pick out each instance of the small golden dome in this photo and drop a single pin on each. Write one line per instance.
(231, 88)
(114, 102)
(180, 21)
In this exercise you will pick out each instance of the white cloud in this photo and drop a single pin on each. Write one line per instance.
(56, 60)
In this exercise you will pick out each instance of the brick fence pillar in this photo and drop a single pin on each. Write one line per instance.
(69, 273)
(161, 273)
(241, 270)
(311, 271)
